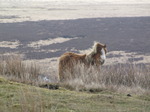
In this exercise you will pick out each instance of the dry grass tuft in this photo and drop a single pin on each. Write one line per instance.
(121, 77)
(13, 67)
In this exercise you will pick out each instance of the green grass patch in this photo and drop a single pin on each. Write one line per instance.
(16, 97)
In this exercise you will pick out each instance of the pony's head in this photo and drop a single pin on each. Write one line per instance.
(98, 49)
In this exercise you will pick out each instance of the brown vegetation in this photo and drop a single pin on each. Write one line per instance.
(122, 78)
(13, 67)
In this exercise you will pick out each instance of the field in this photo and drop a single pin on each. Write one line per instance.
(122, 88)
(34, 34)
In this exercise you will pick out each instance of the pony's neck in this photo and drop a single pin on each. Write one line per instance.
(89, 56)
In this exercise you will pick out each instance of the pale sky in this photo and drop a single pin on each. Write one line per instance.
(90, 1)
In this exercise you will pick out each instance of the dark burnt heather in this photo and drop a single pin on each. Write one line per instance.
(131, 34)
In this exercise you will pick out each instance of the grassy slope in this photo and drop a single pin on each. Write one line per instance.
(15, 97)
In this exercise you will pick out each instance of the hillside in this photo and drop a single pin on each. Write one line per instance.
(47, 39)
(16, 97)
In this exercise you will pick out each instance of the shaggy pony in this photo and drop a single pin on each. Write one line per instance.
(68, 60)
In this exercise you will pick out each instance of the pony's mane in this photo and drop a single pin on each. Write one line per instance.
(94, 49)
(92, 52)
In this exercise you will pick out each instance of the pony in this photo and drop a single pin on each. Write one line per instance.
(67, 61)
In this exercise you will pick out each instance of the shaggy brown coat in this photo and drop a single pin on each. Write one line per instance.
(68, 60)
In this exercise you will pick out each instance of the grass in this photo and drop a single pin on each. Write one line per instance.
(123, 78)
(117, 88)
(13, 67)
(16, 97)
